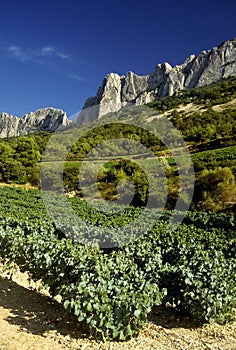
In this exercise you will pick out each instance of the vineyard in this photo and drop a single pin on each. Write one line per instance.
(191, 267)
(113, 265)
(218, 157)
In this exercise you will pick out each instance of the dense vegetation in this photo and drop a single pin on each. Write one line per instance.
(209, 133)
(19, 158)
(207, 126)
(216, 93)
(192, 267)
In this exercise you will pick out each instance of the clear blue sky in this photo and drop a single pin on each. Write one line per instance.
(56, 53)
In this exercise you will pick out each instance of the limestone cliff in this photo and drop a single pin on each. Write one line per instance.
(207, 67)
(45, 119)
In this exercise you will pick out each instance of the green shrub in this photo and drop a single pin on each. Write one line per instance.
(216, 189)
(209, 287)
(13, 171)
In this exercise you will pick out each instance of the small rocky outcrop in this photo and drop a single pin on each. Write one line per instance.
(45, 119)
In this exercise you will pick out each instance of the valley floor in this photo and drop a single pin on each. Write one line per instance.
(30, 320)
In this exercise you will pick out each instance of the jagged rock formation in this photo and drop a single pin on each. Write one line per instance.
(45, 119)
(116, 91)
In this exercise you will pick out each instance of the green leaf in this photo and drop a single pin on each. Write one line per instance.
(66, 304)
(137, 313)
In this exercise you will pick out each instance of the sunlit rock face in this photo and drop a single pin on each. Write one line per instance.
(206, 68)
(45, 119)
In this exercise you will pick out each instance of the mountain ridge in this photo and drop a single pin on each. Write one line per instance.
(43, 119)
(117, 91)
(197, 70)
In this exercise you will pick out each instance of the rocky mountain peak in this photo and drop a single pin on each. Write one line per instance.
(45, 119)
(197, 70)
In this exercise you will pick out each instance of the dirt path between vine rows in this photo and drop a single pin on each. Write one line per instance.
(30, 320)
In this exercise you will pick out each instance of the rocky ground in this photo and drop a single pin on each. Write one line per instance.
(30, 320)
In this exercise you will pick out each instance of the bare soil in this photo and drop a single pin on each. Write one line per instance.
(30, 320)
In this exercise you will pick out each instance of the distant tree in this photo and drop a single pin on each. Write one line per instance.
(34, 176)
(6, 152)
(14, 171)
(26, 151)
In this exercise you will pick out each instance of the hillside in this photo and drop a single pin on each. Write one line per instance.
(205, 117)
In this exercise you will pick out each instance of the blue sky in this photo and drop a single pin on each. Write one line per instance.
(56, 53)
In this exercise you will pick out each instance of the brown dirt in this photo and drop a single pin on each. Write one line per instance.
(26, 186)
(191, 108)
(221, 107)
(30, 320)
